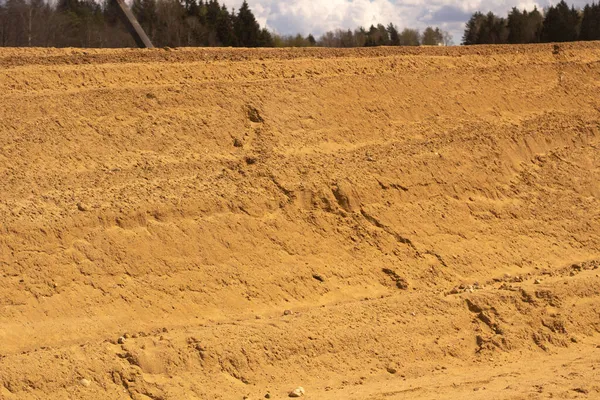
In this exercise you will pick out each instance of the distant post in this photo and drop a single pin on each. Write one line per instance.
(133, 26)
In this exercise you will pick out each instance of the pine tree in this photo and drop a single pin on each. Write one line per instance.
(193, 8)
(394, 35)
(265, 39)
(171, 29)
(473, 29)
(383, 37)
(493, 30)
(535, 21)
(68, 6)
(345, 38)
(517, 26)
(590, 24)
(213, 10)
(3, 25)
(16, 23)
(246, 28)
(561, 24)
(145, 12)
(371, 37)
(360, 37)
(224, 28)
(201, 13)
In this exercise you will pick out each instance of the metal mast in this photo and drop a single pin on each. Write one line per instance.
(133, 26)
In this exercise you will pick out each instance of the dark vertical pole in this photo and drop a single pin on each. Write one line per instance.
(133, 26)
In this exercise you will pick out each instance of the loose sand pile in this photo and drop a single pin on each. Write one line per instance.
(366, 224)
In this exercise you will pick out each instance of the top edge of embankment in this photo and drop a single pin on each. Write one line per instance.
(14, 57)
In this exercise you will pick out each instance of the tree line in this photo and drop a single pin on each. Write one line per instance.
(175, 23)
(559, 23)
(88, 23)
(389, 35)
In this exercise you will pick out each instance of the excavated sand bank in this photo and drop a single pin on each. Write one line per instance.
(367, 224)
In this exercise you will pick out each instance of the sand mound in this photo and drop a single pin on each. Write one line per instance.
(384, 223)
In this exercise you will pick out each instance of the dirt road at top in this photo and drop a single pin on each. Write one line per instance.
(367, 224)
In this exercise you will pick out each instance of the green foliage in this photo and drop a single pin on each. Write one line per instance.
(265, 39)
(394, 35)
(560, 23)
(485, 29)
(535, 20)
(410, 37)
(590, 23)
(293, 41)
(246, 28)
(225, 28)
(89, 23)
(381, 35)
(376, 36)
(432, 37)
(145, 11)
(473, 28)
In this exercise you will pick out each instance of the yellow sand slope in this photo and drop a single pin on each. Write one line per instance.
(367, 224)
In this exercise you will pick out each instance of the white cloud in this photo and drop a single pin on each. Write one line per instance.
(317, 17)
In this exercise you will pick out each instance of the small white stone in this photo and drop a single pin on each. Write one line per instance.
(298, 392)
(85, 382)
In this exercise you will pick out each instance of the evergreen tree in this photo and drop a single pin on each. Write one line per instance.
(590, 24)
(383, 37)
(493, 30)
(3, 25)
(201, 13)
(311, 40)
(65, 6)
(70, 23)
(191, 7)
(535, 20)
(517, 26)
(485, 29)
(224, 28)
(560, 24)
(111, 12)
(246, 28)
(145, 12)
(473, 29)
(371, 37)
(360, 37)
(345, 38)
(394, 35)
(213, 10)
(16, 22)
(265, 39)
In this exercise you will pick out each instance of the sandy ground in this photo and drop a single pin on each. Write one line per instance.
(367, 224)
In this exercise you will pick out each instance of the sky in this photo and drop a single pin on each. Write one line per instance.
(316, 17)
